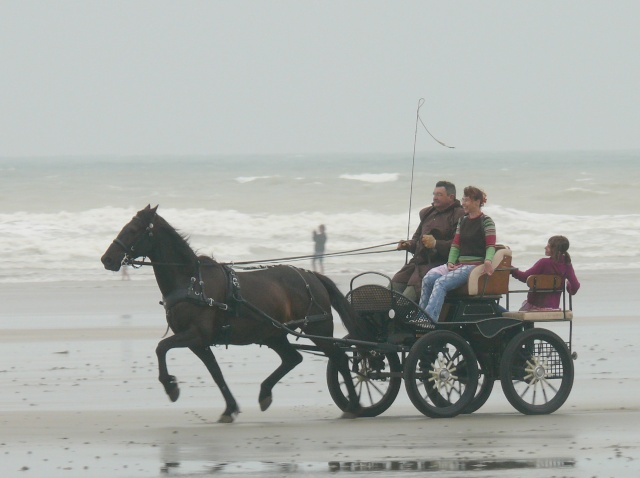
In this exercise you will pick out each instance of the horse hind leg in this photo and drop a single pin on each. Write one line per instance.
(290, 358)
(206, 355)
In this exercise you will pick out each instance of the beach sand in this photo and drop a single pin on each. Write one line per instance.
(80, 397)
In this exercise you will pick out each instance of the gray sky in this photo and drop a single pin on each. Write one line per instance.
(212, 77)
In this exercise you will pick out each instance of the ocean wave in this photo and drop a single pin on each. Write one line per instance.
(372, 177)
(250, 179)
(51, 246)
(588, 191)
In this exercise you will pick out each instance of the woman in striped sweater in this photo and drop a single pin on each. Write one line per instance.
(473, 244)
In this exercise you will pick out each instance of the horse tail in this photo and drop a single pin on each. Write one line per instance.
(356, 328)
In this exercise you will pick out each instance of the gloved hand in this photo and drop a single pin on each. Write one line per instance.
(403, 246)
(429, 241)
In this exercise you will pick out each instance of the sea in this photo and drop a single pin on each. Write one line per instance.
(59, 214)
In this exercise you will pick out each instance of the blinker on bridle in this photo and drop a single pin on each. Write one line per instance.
(147, 233)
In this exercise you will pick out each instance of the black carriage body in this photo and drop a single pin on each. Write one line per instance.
(509, 349)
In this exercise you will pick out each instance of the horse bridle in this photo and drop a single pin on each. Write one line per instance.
(147, 233)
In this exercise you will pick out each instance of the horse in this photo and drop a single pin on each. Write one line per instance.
(208, 303)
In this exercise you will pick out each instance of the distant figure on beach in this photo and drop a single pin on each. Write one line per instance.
(319, 239)
(557, 262)
(431, 242)
(473, 244)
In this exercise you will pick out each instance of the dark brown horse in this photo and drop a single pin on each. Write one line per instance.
(208, 304)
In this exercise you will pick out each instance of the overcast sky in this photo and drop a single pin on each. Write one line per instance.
(278, 77)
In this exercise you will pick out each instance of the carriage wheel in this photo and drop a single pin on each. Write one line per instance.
(377, 377)
(483, 392)
(485, 386)
(441, 374)
(536, 372)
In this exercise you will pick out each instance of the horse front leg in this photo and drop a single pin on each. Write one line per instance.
(169, 382)
(290, 358)
(206, 355)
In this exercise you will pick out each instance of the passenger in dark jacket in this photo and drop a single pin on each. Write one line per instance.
(431, 242)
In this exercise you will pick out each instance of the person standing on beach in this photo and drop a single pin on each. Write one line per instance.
(319, 239)
(556, 262)
(473, 244)
(431, 242)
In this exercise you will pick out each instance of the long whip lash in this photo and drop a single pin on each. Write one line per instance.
(413, 162)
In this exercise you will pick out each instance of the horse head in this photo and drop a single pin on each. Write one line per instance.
(134, 240)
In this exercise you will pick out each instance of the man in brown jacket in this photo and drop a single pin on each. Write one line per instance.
(431, 242)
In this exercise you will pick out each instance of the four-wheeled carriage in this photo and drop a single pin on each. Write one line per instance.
(450, 367)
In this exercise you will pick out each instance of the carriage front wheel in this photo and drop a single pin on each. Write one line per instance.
(377, 377)
(441, 374)
(536, 372)
(485, 385)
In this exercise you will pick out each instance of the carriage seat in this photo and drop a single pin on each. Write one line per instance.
(479, 284)
(544, 284)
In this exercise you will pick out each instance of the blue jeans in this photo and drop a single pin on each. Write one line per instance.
(437, 283)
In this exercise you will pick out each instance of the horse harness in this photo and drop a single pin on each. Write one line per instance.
(233, 301)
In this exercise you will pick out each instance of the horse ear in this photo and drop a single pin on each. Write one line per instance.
(154, 209)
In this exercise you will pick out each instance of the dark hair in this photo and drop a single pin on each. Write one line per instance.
(559, 245)
(450, 188)
(476, 194)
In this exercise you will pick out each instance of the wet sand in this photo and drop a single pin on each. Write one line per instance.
(80, 398)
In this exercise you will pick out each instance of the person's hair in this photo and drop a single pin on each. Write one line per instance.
(476, 194)
(559, 245)
(450, 188)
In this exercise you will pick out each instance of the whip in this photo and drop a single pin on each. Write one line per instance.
(413, 163)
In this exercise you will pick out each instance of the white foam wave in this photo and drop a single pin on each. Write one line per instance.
(63, 245)
(250, 179)
(586, 190)
(371, 177)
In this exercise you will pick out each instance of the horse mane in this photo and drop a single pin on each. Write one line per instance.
(209, 260)
(179, 239)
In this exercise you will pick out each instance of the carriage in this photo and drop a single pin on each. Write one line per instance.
(449, 366)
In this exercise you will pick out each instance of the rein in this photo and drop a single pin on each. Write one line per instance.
(352, 252)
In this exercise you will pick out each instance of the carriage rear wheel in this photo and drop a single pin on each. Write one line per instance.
(536, 372)
(377, 377)
(441, 374)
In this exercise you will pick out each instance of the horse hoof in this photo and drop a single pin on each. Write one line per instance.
(225, 419)
(174, 394)
(266, 403)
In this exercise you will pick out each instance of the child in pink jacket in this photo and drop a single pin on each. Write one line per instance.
(558, 262)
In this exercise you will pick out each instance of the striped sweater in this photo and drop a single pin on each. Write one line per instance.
(474, 242)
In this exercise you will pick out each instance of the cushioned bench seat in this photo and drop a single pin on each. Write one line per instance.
(541, 284)
(480, 284)
(541, 316)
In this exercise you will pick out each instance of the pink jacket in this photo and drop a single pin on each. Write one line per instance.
(549, 266)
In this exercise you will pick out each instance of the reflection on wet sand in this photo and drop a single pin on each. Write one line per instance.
(427, 466)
